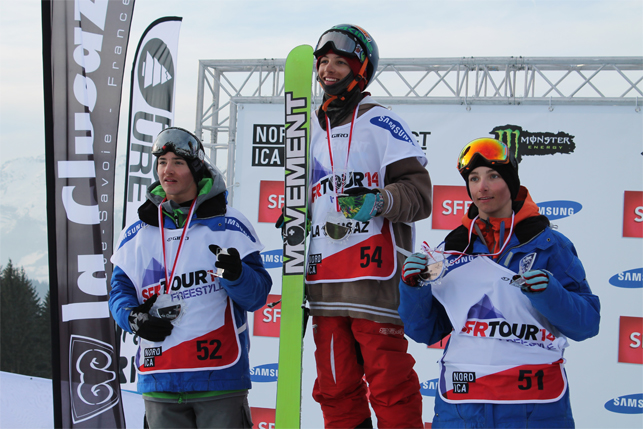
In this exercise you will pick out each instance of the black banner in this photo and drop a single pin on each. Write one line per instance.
(84, 47)
(151, 106)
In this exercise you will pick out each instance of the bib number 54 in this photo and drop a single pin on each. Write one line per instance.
(368, 257)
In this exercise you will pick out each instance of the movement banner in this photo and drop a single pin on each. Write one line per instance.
(151, 106)
(84, 48)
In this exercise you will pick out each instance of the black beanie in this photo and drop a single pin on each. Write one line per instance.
(508, 173)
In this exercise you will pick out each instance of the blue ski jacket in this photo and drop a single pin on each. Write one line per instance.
(567, 303)
(248, 293)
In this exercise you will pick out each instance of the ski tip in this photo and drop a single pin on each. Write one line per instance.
(302, 49)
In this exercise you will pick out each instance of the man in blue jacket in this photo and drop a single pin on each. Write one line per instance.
(513, 292)
(185, 276)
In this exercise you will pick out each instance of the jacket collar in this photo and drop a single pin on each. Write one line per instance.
(212, 207)
(528, 223)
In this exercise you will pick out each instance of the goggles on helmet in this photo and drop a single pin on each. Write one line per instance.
(179, 141)
(341, 43)
(494, 151)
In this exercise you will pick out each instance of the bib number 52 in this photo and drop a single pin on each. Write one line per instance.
(208, 350)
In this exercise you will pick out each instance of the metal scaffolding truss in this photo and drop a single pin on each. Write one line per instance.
(618, 81)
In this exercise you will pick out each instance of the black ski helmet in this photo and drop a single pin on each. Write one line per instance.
(184, 144)
(353, 41)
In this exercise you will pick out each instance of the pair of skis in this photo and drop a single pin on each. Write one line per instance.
(297, 91)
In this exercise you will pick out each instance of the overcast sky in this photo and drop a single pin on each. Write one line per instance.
(245, 29)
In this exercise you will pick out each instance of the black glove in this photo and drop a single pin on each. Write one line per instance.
(230, 263)
(280, 220)
(294, 235)
(146, 326)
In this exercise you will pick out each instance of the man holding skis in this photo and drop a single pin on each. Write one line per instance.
(368, 185)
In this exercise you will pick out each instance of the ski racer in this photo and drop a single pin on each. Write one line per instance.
(189, 304)
(513, 293)
(368, 185)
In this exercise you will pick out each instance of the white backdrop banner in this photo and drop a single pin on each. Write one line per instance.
(151, 106)
(584, 169)
(151, 111)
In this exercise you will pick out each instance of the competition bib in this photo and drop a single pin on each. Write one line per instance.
(346, 158)
(217, 349)
(206, 336)
(502, 350)
(519, 384)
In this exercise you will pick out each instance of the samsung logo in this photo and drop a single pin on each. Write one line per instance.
(459, 260)
(264, 373)
(273, 258)
(559, 209)
(630, 404)
(429, 387)
(628, 279)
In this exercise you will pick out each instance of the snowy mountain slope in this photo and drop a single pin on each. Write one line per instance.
(23, 218)
(23, 213)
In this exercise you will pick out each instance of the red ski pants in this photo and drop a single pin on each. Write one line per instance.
(349, 349)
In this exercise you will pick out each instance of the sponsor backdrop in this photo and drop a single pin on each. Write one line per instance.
(583, 166)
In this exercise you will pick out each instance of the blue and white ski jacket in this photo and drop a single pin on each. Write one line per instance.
(212, 218)
(567, 303)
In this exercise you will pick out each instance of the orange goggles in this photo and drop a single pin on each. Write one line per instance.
(494, 151)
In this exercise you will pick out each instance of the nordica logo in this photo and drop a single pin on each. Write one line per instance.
(630, 279)
(559, 209)
(272, 258)
(527, 143)
(264, 373)
(429, 387)
(629, 404)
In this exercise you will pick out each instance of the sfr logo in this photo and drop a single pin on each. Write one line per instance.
(450, 203)
(263, 418)
(633, 214)
(630, 340)
(271, 200)
(267, 320)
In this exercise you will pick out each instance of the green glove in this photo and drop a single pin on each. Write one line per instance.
(361, 204)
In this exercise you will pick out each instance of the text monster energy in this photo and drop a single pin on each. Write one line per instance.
(295, 186)
(527, 143)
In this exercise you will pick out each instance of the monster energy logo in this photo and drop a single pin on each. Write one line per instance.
(526, 143)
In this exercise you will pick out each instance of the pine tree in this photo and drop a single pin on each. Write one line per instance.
(24, 334)
(43, 365)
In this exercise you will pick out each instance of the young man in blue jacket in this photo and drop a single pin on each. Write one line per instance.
(185, 276)
(512, 293)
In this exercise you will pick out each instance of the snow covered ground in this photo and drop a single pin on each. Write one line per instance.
(27, 402)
